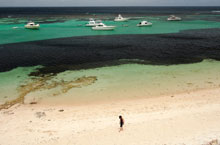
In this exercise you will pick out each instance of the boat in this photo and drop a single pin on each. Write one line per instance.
(120, 19)
(32, 25)
(144, 23)
(174, 18)
(102, 26)
(92, 23)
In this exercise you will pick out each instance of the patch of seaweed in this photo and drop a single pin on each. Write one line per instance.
(42, 83)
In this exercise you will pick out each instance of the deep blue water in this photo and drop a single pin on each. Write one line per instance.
(5, 11)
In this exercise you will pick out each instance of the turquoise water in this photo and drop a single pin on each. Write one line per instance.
(11, 80)
(129, 81)
(76, 28)
(141, 81)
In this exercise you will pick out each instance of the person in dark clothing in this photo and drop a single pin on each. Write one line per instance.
(121, 122)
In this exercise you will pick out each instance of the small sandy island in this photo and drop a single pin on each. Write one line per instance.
(191, 118)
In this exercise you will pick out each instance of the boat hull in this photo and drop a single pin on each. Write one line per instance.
(103, 28)
(32, 27)
(173, 19)
(121, 20)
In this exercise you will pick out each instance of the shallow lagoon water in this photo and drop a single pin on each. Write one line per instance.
(11, 80)
(128, 81)
(132, 81)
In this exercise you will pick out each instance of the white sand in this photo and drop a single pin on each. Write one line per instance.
(190, 119)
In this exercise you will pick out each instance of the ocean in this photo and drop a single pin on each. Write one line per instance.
(66, 62)
(153, 10)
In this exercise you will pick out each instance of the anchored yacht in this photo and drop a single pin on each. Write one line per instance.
(120, 18)
(32, 25)
(174, 18)
(102, 26)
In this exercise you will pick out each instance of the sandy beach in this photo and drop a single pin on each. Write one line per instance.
(183, 119)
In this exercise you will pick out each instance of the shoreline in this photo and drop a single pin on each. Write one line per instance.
(182, 119)
(129, 81)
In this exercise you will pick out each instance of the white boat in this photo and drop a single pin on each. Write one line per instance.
(120, 18)
(102, 26)
(174, 18)
(92, 23)
(32, 25)
(144, 23)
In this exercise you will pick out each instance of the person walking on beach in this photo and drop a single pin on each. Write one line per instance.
(121, 122)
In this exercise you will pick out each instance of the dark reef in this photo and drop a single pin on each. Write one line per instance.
(57, 55)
